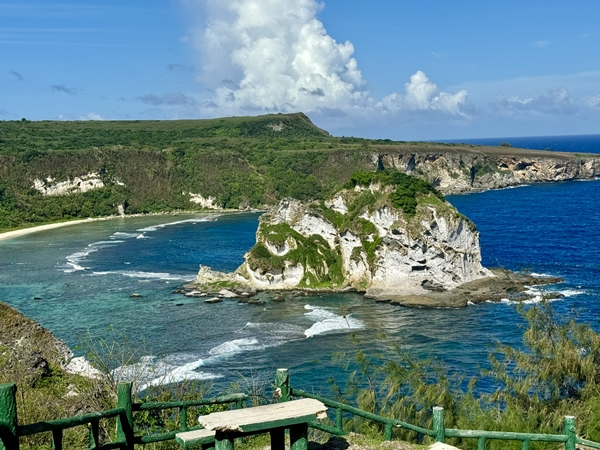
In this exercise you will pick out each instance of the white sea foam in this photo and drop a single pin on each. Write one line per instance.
(123, 235)
(75, 260)
(157, 275)
(152, 371)
(147, 276)
(328, 322)
(571, 292)
(162, 225)
(236, 346)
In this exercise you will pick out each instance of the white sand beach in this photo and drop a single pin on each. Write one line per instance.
(24, 231)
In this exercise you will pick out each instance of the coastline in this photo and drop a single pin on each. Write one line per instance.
(50, 226)
(25, 231)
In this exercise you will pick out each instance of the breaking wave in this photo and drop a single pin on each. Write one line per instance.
(75, 260)
(162, 225)
(154, 371)
(148, 275)
(327, 321)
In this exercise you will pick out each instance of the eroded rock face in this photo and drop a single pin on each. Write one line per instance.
(84, 183)
(457, 172)
(27, 350)
(380, 250)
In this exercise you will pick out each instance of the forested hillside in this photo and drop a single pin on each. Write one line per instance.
(239, 162)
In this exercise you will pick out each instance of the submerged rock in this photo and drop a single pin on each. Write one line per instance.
(227, 294)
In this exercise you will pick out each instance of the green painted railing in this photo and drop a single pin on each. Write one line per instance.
(438, 431)
(11, 431)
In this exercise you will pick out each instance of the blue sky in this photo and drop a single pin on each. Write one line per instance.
(384, 69)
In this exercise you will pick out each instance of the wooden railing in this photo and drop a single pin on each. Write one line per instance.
(126, 438)
(438, 432)
(11, 431)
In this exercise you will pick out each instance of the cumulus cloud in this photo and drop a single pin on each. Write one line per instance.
(169, 99)
(275, 55)
(64, 89)
(421, 94)
(556, 101)
(592, 102)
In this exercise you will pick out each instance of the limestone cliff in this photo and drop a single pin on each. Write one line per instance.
(479, 168)
(388, 234)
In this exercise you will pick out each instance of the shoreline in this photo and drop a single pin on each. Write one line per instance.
(50, 226)
(30, 230)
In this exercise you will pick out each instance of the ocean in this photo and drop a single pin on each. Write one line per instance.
(78, 280)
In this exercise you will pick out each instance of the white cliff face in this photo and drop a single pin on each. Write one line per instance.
(338, 204)
(437, 249)
(205, 202)
(436, 252)
(80, 184)
(355, 265)
(383, 218)
(310, 225)
(475, 170)
(288, 277)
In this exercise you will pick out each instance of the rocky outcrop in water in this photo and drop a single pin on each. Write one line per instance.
(358, 239)
(389, 235)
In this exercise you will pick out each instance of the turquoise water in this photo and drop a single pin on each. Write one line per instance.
(84, 276)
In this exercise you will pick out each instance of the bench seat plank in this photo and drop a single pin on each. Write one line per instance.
(189, 439)
(248, 420)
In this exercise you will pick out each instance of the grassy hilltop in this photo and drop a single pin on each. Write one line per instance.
(151, 166)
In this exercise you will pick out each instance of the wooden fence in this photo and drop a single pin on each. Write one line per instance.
(11, 431)
(126, 437)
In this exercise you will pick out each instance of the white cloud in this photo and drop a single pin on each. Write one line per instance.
(555, 102)
(93, 116)
(275, 55)
(421, 94)
(592, 102)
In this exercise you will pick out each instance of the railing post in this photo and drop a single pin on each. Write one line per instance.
(339, 419)
(388, 431)
(282, 385)
(183, 418)
(481, 443)
(94, 434)
(57, 439)
(125, 422)
(438, 424)
(9, 439)
(570, 433)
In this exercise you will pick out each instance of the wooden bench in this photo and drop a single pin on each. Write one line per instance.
(196, 438)
(274, 419)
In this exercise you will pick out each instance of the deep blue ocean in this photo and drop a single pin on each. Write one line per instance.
(84, 275)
